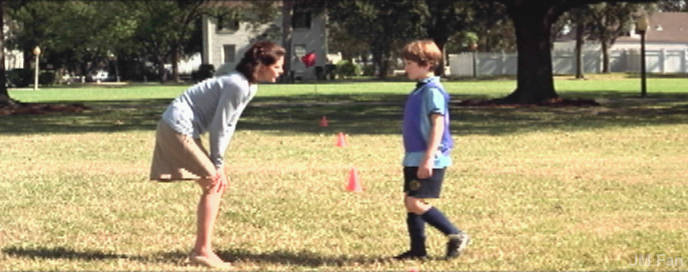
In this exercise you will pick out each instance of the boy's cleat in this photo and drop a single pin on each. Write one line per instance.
(457, 243)
(410, 255)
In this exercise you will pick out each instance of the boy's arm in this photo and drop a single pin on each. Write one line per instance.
(434, 139)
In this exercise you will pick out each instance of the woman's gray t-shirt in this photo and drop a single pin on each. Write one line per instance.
(213, 105)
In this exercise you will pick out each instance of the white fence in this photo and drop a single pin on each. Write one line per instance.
(564, 62)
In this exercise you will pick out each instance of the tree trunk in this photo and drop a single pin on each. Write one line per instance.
(605, 57)
(381, 60)
(175, 65)
(287, 12)
(533, 24)
(4, 94)
(579, 49)
(439, 70)
(161, 70)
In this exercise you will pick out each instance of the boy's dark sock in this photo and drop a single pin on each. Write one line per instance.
(435, 218)
(416, 229)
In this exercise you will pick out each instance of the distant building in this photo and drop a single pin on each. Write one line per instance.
(667, 30)
(14, 59)
(224, 43)
(666, 47)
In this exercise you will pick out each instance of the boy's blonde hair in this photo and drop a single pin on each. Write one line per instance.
(423, 52)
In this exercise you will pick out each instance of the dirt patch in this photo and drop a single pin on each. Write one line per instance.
(554, 102)
(18, 108)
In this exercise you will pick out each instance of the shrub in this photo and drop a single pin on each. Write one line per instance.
(19, 77)
(369, 70)
(46, 78)
(347, 69)
(204, 71)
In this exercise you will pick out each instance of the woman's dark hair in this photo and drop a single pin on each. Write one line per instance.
(264, 52)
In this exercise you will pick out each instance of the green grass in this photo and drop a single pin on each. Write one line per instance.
(538, 188)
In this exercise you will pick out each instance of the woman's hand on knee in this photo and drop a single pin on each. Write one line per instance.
(214, 184)
(222, 181)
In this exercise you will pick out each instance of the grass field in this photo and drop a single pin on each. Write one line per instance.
(538, 188)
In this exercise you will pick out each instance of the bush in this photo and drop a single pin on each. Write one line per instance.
(347, 69)
(19, 77)
(46, 78)
(369, 70)
(204, 71)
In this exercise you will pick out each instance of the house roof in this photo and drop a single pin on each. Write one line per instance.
(671, 27)
(665, 27)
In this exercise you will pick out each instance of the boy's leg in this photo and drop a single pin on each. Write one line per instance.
(457, 239)
(433, 216)
(436, 218)
(416, 229)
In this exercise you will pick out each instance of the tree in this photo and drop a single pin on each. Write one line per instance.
(33, 20)
(163, 28)
(339, 40)
(672, 5)
(493, 28)
(608, 22)
(287, 32)
(93, 36)
(384, 25)
(578, 19)
(4, 94)
(444, 19)
(533, 21)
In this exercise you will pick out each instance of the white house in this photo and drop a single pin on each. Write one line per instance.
(666, 47)
(666, 52)
(14, 59)
(224, 43)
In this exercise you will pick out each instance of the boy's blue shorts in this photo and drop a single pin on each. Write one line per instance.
(423, 188)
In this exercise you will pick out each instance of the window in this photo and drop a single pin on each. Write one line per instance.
(299, 50)
(230, 52)
(227, 24)
(302, 17)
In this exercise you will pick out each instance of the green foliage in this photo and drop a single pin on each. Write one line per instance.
(672, 5)
(604, 22)
(368, 70)
(347, 69)
(19, 77)
(204, 71)
(92, 37)
(47, 78)
(384, 25)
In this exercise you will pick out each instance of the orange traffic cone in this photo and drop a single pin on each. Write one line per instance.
(341, 140)
(323, 121)
(354, 184)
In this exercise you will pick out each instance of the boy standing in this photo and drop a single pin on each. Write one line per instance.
(427, 143)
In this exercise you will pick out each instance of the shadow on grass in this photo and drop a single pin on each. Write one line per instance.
(371, 113)
(302, 258)
(60, 253)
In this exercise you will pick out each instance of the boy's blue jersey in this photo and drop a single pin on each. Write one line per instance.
(428, 98)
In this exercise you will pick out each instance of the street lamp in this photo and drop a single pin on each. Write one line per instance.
(36, 52)
(641, 27)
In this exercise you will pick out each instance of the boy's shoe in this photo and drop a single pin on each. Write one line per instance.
(410, 255)
(457, 243)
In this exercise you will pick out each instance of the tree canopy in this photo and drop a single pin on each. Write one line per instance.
(160, 32)
(533, 22)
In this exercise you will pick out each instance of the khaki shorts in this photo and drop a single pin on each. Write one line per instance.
(179, 157)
